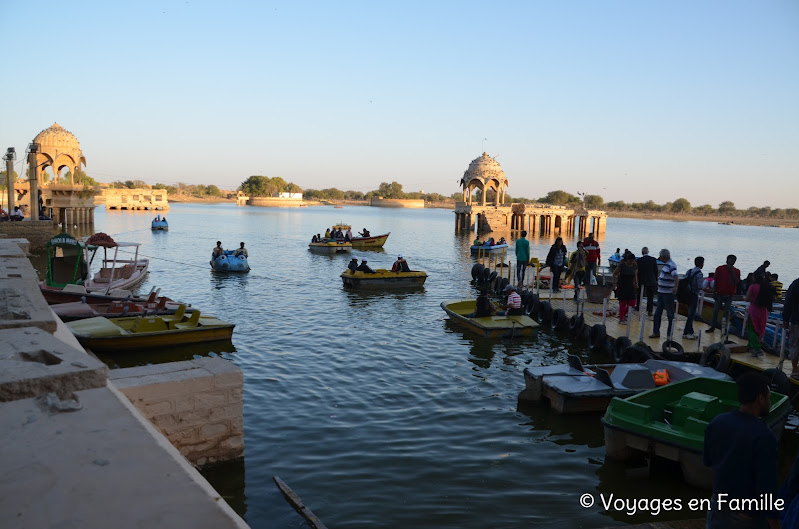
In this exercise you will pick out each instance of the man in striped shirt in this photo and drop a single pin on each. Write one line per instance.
(514, 305)
(667, 289)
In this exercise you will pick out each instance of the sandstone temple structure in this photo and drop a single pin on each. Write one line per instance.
(485, 174)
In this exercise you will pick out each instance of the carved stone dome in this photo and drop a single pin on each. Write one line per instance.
(485, 168)
(59, 148)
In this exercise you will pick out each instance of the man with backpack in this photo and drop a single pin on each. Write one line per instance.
(688, 292)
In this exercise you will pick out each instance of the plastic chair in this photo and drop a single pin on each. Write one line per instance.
(191, 323)
(177, 317)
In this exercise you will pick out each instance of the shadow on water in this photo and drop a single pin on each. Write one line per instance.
(482, 350)
(165, 355)
(228, 479)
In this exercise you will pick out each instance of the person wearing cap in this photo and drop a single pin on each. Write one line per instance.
(400, 265)
(513, 307)
(363, 267)
(353, 266)
(667, 290)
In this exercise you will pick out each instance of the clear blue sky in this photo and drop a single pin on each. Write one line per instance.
(629, 100)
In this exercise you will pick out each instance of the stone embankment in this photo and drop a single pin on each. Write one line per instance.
(77, 453)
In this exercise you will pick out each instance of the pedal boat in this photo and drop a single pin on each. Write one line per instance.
(228, 262)
(575, 388)
(491, 326)
(159, 224)
(330, 246)
(80, 310)
(143, 332)
(670, 422)
(383, 279)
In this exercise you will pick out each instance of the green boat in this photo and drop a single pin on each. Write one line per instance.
(670, 422)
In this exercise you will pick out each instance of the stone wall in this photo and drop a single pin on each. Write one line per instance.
(196, 404)
(274, 202)
(379, 202)
(37, 232)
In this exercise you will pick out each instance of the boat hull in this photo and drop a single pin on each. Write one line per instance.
(488, 249)
(330, 247)
(230, 263)
(383, 279)
(492, 326)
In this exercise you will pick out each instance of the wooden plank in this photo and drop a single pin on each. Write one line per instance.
(296, 502)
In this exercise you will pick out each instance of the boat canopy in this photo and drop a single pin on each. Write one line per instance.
(66, 263)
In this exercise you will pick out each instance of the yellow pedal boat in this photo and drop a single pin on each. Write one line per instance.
(143, 332)
(383, 279)
(491, 326)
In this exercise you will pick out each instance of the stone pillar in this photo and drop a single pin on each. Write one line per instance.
(34, 186)
(10, 184)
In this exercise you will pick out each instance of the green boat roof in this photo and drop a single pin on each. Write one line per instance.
(679, 413)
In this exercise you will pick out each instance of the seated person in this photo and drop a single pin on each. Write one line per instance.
(502, 240)
(483, 307)
(363, 267)
(353, 266)
(17, 214)
(3, 215)
(314, 239)
(348, 235)
(364, 233)
(400, 265)
(477, 242)
(164, 219)
(491, 242)
(513, 307)
(707, 284)
(241, 250)
(327, 233)
(218, 250)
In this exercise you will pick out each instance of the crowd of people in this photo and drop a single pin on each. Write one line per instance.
(400, 265)
(335, 233)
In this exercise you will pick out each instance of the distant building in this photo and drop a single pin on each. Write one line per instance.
(140, 198)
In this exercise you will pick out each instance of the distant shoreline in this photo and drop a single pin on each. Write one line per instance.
(721, 219)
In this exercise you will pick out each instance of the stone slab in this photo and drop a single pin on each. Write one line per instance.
(12, 248)
(172, 372)
(17, 268)
(34, 363)
(22, 305)
(99, 466)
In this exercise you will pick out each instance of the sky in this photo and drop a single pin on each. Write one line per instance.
(628, 100)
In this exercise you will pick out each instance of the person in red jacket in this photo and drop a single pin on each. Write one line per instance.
(591, 248)
(725, 284)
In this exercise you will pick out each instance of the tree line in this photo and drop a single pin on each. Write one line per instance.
(385, 190)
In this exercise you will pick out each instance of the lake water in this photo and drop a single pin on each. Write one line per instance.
(373, 407)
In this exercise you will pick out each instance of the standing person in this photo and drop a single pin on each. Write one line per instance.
(556, 260)
(591, 248)
(648, 277)
(761, 270)
(742, 452)
(725, 284)
(577, 268)
(667, 289)
(625, 283)
(760, 296)
(790, 321)
(522, 257)
(695, 280)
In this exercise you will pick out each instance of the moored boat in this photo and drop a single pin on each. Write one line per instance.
(383, 279)
(361, 242)
(670, 422)
(330, 246)
(490, 326)
(229, 262)
(575, 388)
(488, 248)
(79, 310)
(160, 224)
(124, 334)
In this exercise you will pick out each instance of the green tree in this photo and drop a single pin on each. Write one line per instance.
(727, 207)
(704, 209)
(392, 190)
(214, 191)
(618, 205)
(594, 201)
(681, 205)
(561, 198)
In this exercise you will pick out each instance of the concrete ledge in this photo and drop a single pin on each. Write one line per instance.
(17, 267)
(96, 467)
(22, 305)
(34, 363)
(13, 247)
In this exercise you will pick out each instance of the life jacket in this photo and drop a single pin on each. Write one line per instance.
(661, 377)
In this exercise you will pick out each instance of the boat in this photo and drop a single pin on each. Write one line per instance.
(330, 246)
(372, 241)
(575, 388)
(140, 332)
(79, 310)
(229, 262)
(490, 326)
(670, 422)
(160, 224)
(69, 262)
(487, 248)
(383, 279)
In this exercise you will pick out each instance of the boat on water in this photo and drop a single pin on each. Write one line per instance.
(229, 262)
(575, 388)
(69, 264)
(361, 242)
(383, 279)
(490, 326)
(670, 422)
(330, 246)
(487, 248)
(79, 310)
(160, 224)
(141, 332)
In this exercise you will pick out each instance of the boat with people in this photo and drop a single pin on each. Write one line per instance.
(230, 262)
(459, 311)
(578, 388)
(670, 421)
(382, 278)
(330, 246)
(160, 224)
(488, 247)
(79, 310)
(69, 265)
(140, 332)
(364, 240)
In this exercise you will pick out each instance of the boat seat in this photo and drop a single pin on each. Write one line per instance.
(149, 325)
(177, 317)
(191, 323)
(120, 293)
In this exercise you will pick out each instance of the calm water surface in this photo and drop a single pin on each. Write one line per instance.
(376, 410)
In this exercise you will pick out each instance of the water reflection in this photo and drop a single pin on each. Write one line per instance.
(228, 479)
(220, 280)
(163, 355)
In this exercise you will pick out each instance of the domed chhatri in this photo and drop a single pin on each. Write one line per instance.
(59, 148)
(484, 173)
